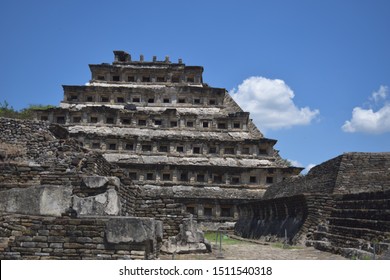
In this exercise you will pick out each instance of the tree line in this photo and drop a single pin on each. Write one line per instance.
(7, 111)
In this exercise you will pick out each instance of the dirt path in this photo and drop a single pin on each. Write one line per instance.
(253, 251)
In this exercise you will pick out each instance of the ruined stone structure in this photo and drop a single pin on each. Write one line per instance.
(61, 201)
(173, 135)
(146, 151)
(341, 205)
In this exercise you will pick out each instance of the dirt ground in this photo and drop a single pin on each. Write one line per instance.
(255, 251)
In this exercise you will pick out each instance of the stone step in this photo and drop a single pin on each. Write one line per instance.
(331, 240)
(366, 196)
(321, 245)
(376, 225)
(336, 238)
(383, 203)
(366, 214)
(359, 233)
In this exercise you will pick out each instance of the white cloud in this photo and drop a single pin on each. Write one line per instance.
(270, 103)
(295, 163)
(380, 95)
(368, 120)
(308, 167)
(298, 164)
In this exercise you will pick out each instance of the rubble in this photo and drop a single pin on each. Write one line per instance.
(190, 240)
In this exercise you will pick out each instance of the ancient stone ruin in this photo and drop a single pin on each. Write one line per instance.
(137, 160)
(61, 201)
(189, 240)
(174, 135)
(341, 206)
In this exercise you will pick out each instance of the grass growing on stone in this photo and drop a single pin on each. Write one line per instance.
(284, 246)
(226, 240)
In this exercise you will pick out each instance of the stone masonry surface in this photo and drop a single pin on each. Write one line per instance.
(56, 198)
(341, 206)
(46, 237)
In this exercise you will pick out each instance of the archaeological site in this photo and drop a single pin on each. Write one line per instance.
(145, 157)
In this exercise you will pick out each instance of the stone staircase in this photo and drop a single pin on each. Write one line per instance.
(358, 227)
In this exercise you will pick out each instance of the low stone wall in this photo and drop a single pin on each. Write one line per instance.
(45, 237)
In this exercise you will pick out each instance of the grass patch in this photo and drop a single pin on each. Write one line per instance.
(284, 246)
(226, 240)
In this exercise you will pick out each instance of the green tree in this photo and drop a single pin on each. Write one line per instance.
(8, 111)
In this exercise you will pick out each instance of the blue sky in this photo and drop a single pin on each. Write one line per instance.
(318, 72)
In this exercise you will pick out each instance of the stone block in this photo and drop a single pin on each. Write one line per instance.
(42, 244)
(28, 244)
(55, 200)
(91, 233)
(39, 200)
(42, 254)
(90, 245)
(95, 181)
(114, 181)
(56, 239)
(84, 239)
(129, 229)
(31, 257)
(23, 238)
(122, 252)
(47, 250)
(107, 203)
(97, 240)
(57, 232)
(56, 245)
(27, 250)
(73, 246)
(70, 251)
(16, 233)
(103, 256)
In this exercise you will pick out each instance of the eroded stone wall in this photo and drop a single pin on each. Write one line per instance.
(272, 219)
(291, 219)
(347, 173)
(40, 161)
(46, 237)
(55, 176)
(341, 206)
(320, 179)
(358, 226)
(363, 172)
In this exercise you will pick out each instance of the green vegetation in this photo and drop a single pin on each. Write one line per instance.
(226, 240)
(285, 246)
(363, 257)
(8, 111)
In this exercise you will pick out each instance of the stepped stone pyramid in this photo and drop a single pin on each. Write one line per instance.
(163, 125)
